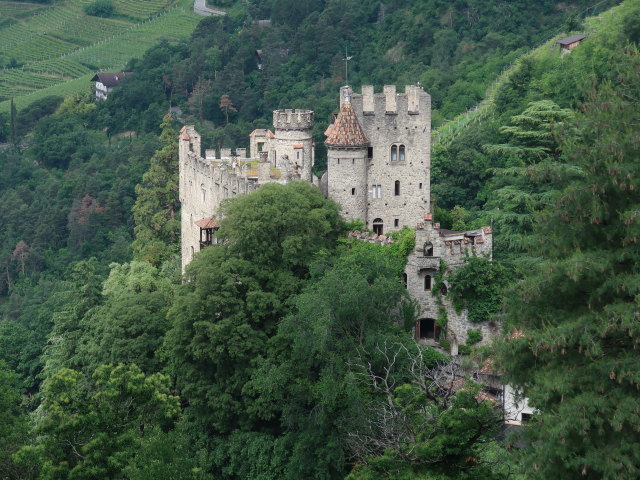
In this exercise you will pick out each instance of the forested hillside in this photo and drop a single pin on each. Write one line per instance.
(286, 352)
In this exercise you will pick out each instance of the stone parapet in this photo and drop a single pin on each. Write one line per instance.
(289, 119)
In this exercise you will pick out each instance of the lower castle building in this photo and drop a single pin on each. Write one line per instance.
(378, 170)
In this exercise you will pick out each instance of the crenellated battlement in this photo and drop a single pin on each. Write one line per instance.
(414, 100)
(289, 119)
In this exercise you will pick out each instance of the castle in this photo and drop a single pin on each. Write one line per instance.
(378, 170)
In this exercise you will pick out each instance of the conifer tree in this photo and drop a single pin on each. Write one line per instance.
(575, 334)
(531, 171)
(157, 208)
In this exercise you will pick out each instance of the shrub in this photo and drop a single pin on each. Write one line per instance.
(100, 8)
(474, 335)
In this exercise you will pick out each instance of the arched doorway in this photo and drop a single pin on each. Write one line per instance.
(378, 226)
(427, 329)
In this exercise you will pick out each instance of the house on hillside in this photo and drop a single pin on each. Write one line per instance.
(569, 43)
(105, 82)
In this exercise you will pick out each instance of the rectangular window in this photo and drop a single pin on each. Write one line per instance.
(376, 191)
(396, 222)
(370, 152)
(353, 191)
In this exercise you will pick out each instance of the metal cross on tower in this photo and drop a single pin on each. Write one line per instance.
(346, 66)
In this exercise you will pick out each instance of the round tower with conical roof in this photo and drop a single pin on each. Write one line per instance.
(347, 161)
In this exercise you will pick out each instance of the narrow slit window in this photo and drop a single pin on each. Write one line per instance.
(397, 188)
(396, 222)
(427, 282)
(353, 191)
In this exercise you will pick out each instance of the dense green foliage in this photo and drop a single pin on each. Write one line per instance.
(478, 286)
(100, 8)
(576, 358)
(157, 207)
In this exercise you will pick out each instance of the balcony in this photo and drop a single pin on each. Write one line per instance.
(427, 263)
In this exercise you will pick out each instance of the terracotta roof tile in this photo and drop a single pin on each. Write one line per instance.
(298, 145)
(264, 131)
(207, 222)
(346, 130)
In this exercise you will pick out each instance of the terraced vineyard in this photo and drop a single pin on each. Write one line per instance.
(46, 50)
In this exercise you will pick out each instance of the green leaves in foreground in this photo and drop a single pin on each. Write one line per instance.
(91, 426)
(576, 352)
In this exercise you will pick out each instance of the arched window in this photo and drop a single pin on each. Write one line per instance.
(378, 226)
(401, 153)
(427, 282)
(397, 188)
(443, 290)
(394, 153)
(428, 249)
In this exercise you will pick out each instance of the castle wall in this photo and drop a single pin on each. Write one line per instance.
(203, 186)
(347, 180)
(395, 119)
(432, 246)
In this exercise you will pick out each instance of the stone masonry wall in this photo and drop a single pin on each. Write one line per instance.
(347, 180)
(203, 186)
(387, 119)
(452, 248)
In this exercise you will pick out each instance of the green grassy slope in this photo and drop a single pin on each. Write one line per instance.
(46, 50)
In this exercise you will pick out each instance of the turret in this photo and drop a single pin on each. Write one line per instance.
(348, 162)
(293, 138)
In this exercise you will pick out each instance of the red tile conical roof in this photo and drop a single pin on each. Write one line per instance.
(346, 130)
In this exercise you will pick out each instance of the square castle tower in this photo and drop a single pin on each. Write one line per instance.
(378, 163)
(379, 156)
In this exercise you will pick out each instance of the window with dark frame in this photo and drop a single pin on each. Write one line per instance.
(378, 226)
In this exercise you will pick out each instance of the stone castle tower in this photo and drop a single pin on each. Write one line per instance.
(379, 156)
